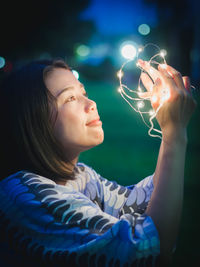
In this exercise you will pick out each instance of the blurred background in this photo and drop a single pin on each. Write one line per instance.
(90, 35)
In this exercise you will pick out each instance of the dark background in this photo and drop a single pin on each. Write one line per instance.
(50, 29)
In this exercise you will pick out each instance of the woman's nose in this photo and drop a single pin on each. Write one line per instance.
(90, 106)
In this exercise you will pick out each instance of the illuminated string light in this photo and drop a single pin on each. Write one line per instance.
(151, 112)
(120, 74)
(119, 89)
(141, 97)
(154, 99)
(165, 95)
(164, 66)
(125, 91)
(140, 49)
(140, 104)
(163, 53)
(128, 51)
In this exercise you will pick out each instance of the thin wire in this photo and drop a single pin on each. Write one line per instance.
(127, 97)
(161, 54)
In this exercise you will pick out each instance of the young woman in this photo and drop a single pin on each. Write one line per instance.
(58, 212)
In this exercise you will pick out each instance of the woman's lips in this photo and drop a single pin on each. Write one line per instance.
(95, 122)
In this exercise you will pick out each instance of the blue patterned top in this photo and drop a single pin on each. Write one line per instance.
(90, 221)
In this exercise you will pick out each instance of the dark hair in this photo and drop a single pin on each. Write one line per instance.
(27, 141)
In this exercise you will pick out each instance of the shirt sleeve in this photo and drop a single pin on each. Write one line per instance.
(116, 199)
(48, 223)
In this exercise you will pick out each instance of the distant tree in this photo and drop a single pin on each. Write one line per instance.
(177, 31)
(29, 28)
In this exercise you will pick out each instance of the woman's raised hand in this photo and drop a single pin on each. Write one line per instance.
(172, 92)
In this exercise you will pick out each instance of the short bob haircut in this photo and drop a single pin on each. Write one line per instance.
(27, 141)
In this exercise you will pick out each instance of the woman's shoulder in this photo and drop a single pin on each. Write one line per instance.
(82, 166)
(85, 176)
(24, 177)
(87, 171)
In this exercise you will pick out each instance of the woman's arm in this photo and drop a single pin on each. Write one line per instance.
(166, 202)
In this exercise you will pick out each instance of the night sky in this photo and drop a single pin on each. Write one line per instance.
(120, 17)
(55, 28)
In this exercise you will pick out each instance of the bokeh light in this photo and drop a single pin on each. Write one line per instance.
(128, 51)
(2, 62)
(144, 29)
(163, 52)
(83, 50)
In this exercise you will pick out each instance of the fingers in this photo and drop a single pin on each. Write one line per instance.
(155, 97)
(168, 73)
(169, 85)
(144, 95)
(147, 82)
(187, 84)
(153, 73)
(176, 76)
(168, 80)
(186, 81)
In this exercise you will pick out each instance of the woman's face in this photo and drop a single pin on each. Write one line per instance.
(78, 126)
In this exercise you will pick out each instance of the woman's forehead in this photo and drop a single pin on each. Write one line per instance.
(59, 79)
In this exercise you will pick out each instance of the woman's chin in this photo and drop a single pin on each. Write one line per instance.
(96, 142)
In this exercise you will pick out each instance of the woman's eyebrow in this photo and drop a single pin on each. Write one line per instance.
(63, 90)
(68, 88)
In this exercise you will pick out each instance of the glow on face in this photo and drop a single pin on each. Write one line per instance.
(78, 126)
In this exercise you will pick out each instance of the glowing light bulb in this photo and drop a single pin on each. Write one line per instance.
(154, 99)
(163, 66)
(165, 95)
(140, 104)
(163, 53)
(151, 112)
(120, 74)
(133, 97)
(151, 71)
(128, 51)
(140, 49)
(119, 89)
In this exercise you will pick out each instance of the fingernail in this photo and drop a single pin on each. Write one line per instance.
(157, 81)
(188, 84)
(188, 81)
(140, 62)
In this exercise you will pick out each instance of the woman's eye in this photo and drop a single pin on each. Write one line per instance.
(71, 98)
